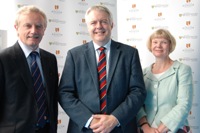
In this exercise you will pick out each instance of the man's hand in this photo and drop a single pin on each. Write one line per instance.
(103, 123)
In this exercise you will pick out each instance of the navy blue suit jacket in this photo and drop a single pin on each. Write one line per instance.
(79, 91)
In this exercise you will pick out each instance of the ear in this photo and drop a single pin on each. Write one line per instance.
(112, 25)
(16, 27)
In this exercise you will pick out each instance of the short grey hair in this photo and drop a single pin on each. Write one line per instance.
(29, 9)
(99, 8)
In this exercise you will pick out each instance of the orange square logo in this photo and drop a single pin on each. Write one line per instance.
(133, 5)
(84, 41)
(188, 1)
(56, 7)
(133, 26)
(83, 20)
(57, 52)
(188, 45)
(188, 23)
(57, 29)
(159, 14)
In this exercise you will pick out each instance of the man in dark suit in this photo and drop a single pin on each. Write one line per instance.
(18, 102)
(79, 93)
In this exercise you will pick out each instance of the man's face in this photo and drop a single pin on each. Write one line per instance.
(30, 29)
(99, 27)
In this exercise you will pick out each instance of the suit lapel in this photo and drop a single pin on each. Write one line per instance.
(90, 57)
(91, 61)
(22, 65)
(45, 62)
(114, 57)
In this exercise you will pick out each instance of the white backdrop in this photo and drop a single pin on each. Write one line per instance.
(134, 22)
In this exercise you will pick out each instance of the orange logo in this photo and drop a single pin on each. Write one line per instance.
(84, 41)
(133, 5)
(57, 29)
(187, 23)
(133, 26)
(83, 20)
(56, 7)
(188, 1)
(188, 45)
(57, 52)
(159, 14)
(59, 121)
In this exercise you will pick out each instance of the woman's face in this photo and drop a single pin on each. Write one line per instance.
(160, 47)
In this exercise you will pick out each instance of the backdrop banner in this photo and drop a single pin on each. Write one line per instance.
(137, 19)
(134, 21)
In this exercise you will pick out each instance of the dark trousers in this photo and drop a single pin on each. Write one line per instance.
(45, 129)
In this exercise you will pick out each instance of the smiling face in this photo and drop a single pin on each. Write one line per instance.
(160, 47)
(30, 29)
(99, 26)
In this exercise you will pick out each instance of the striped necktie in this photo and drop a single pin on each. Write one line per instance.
(102, 79)
(38, 91)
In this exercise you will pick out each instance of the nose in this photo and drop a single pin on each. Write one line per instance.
(99, 24)
(33, 29)
(159, 44)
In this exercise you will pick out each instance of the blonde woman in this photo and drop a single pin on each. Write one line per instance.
(169, 88)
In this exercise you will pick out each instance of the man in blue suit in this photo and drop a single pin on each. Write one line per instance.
(79, 85)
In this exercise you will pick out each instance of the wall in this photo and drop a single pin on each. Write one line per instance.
(135, 21)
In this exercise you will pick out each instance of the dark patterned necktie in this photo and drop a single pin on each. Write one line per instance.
(39, 91)
(102, 79)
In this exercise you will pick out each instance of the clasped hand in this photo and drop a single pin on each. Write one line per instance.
(103, 123)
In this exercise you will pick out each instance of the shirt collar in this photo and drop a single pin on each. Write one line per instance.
(26, 49)
(107, 45)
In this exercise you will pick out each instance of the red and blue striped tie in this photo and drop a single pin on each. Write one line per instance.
(102, 79)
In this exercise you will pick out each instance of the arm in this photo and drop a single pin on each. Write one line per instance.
(145, 127)
(69, 97)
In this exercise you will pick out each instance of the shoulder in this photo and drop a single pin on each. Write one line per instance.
(146, 70)
(123, 46)
(181, 67)
(47, 54)
(81, 47)
(7, 52)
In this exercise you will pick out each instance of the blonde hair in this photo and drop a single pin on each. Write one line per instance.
(30, 9)
(162, 33)
(99, 8)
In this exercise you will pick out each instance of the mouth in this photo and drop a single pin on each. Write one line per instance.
(100, 32)
(34, 37)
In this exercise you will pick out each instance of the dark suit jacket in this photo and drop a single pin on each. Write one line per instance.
(79, 91)
(18, 111)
